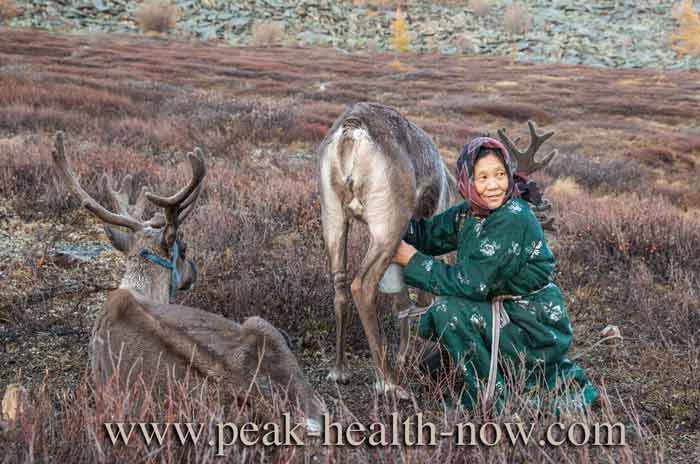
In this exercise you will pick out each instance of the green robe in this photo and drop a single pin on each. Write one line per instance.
(502, 254)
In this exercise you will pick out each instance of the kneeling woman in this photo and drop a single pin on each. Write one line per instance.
(503, 271)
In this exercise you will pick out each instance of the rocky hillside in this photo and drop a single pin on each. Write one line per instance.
(607, 33)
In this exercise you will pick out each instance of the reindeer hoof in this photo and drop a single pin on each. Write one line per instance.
(384, 388)
(337, 375)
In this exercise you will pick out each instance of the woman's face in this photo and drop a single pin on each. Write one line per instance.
(491, 180)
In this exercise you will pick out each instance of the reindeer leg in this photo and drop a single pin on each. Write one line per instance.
(265, 351)
(401, 302)
(364, 292)
(335, 230)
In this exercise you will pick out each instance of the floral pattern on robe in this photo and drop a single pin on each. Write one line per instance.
(504, 253)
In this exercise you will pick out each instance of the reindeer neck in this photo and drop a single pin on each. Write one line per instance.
(147, 280)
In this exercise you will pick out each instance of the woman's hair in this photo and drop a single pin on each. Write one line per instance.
(485, 151)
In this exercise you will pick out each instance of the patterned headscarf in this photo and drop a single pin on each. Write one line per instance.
(465, 173)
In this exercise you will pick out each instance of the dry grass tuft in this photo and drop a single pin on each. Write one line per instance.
(480, 7)
(516, 19)
(268, 33)
(157, 16)
(399, 66)
(13, 402)
(8, 9)
(565, 187)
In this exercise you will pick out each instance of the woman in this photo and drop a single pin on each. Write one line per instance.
(503, 271)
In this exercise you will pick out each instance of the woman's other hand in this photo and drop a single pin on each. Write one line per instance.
(404, 254)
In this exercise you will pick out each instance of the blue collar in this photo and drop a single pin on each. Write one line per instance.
(172, 265)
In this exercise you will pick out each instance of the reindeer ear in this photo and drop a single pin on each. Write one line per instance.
(120, 239)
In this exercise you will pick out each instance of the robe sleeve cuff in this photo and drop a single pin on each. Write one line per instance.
(417, 272)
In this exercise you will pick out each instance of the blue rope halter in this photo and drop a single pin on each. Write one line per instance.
(172, 265)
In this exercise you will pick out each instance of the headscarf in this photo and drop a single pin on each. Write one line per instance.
(465, 173)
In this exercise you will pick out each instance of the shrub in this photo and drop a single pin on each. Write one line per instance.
(268, 33)
(687, 39)
(464, 43)
(156, 15)
(681, 194)
(636, 255)
(516, 19)
(479, 7)
(8, 9)
(608, 175)
(612, 232)
(399, 34)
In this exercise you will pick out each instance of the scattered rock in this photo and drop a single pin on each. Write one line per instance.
(609, 33)
(613, 332)
(464, 43)
(68, 256)
(614, 339)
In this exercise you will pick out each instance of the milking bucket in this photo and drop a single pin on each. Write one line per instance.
(392, 280)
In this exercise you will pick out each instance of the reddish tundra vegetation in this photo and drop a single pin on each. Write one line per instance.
(624, 187)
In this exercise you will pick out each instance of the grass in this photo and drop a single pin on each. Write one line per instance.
(623, 189)
(80, 435)
(156, 16)
(267, 33)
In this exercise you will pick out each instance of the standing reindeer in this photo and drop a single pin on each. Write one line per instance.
(149, 338)
(379, 168)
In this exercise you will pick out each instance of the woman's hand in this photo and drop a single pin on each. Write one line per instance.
(404, 254)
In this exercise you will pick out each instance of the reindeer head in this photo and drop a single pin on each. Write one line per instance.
(157, 261)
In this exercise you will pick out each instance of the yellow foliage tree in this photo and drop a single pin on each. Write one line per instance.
(399, 34)
(8, 10)
(687, 39)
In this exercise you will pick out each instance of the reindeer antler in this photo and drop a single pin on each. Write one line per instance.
(526, 164)
(525, 161)
(66, 173)
(120, 198)
(178, 206)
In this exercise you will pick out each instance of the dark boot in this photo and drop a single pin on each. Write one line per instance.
(435, 362)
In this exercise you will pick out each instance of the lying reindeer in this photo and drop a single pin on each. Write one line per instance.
(148, 337)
